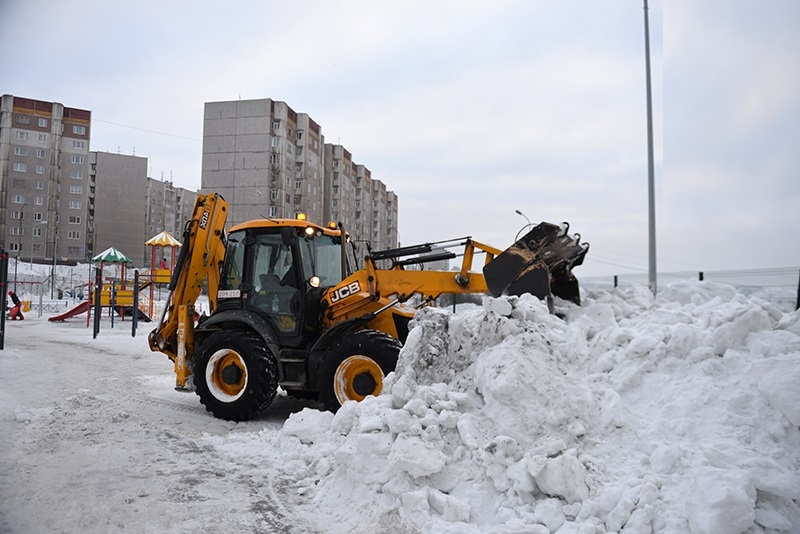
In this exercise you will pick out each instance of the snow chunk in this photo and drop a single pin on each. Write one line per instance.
(778, 380)
(309, 426)
(734, 332)
(723, 501)
(563, 476)
(416, 457)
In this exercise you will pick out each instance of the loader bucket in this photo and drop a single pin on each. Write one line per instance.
(540, 263)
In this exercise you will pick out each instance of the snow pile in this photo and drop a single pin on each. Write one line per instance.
(628, 415)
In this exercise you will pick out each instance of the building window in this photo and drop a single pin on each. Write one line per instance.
(274, 178)
(78, 144)
(18, 182)
(276, 141)
(273, 158)
(74, 251)
(299, 135)
(73, 234)
(22, 119)
(298, 167)
(298, 184)
(17, 215)
(14, 247)
(37, 216)
(273, 211)
(21, 167)
(39, 184)
(20, 151)
(22, 136)
(40, 169)
(74, 204)
(42, 138)
(77, 175)
(273, 194)
(43, 123)
(37, 231)
(78, 160)
(80, 130)
(40, 153)
(74, 219)
(276, 124)
(76, 189)
(18, 199)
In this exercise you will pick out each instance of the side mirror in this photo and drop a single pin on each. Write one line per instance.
(289, 236)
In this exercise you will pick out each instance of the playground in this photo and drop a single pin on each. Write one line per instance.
(110, 285)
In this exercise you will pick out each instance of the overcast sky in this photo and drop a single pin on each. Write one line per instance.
(468, 110)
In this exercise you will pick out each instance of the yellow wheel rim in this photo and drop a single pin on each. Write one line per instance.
(226, 375)
(356, 378)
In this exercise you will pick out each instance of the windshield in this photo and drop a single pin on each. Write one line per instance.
(322, 257)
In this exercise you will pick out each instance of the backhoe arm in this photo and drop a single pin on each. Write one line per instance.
(200, 259)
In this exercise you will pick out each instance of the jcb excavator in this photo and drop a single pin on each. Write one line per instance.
(291, 307)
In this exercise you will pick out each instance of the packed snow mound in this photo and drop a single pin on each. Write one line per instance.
(627, 414)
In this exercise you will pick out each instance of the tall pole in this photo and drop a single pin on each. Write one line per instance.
(650, 168)
(19, 244)
(53, 278)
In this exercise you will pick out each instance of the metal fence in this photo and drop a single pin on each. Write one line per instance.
(779, 286)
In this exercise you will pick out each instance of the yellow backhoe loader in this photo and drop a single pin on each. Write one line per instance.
(291, 306)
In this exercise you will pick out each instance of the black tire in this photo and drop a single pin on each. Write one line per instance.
(235, 375)
(355, 366)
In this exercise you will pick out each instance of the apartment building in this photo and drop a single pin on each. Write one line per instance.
(366, 208)
(44, 179)
(267, 160)
(120, 185)
(264, 158)
(168, 209)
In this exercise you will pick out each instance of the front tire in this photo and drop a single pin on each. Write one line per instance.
(235, 375)
(354, 367)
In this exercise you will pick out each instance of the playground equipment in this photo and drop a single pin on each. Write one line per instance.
(117, 294)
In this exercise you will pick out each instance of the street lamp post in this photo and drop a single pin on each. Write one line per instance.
(32, 231)
(524, 227)
(55, 255)
(19, 243)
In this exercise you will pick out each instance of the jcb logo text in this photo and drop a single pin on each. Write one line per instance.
(344, 292)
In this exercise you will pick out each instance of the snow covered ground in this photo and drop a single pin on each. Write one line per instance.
(628, 414)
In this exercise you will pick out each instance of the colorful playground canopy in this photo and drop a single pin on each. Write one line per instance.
(163, 240)
(112, 255)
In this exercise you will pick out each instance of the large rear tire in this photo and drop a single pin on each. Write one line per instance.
(235, 375)
(355, 366)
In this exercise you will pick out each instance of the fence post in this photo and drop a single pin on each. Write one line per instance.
(701, 276)
(616, 281)
(135, 318)
(98, 309)
(3, 290)
(797, 302)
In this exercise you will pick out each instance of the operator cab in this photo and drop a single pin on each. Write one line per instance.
(279, 269)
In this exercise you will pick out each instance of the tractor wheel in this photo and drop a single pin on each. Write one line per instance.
(355, 366)
(235, 375)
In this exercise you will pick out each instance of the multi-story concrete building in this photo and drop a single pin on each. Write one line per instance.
(362, 204)
(44, 179)
(265, 159)
(168, 209)
(120, 186)
(340, 186)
